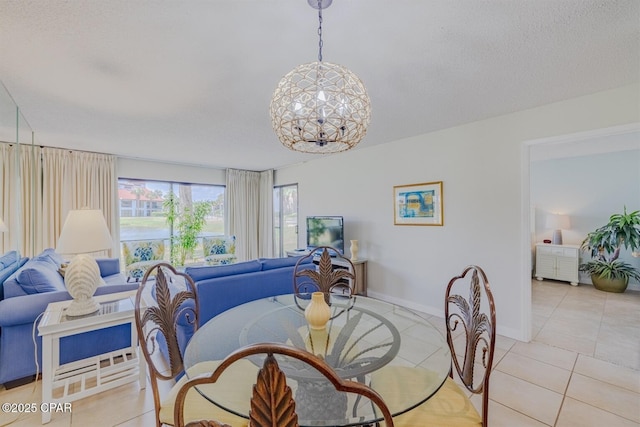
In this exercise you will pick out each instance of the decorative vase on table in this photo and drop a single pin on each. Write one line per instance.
(354, 250)
(317, 312)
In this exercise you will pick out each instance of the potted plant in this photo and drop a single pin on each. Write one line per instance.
(608, 273)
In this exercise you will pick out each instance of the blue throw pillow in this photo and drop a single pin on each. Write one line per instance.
(8, 258)
(5, 273)
(39, 277)
(50, 256)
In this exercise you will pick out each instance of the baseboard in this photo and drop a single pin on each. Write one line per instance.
(439, 312)
(19, 382)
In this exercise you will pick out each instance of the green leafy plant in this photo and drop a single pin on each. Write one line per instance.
(605, 243)
(186, 221)
(610, 269)
(170, 207)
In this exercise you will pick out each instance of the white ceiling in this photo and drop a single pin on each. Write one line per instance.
(191, 81)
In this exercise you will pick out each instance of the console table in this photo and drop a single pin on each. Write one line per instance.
(557, 262)
(82, 378)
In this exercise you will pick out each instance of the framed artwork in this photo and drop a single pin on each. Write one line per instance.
(418, 204)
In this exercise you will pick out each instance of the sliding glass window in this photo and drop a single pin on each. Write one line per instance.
(285, 218)
(171, 212)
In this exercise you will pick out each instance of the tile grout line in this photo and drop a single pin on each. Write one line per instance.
(566, 389)
(604, 307)
(519, 412)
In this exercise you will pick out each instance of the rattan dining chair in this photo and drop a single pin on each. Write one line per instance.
(272, 403)
(166, 316)
(471, 332)
(329, 277)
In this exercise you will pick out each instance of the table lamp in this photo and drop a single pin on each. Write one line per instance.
(557, 222)
(84, 231)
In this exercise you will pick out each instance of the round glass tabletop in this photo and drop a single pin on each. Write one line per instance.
(364, 337)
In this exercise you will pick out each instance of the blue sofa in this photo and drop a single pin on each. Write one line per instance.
(36, 283)
(225, 286)
(25, 294)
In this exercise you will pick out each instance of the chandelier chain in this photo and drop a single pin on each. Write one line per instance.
(320, 42)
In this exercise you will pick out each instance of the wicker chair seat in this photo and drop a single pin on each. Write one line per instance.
(198, 408)
(271, 398)
(449, 407)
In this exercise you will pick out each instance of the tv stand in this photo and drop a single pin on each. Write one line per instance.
(359, 265)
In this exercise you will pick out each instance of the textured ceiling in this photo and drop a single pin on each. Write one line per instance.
(191, 82)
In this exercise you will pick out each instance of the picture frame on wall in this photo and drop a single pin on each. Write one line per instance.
(418, 204)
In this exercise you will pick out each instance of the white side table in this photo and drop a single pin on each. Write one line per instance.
(82, 378)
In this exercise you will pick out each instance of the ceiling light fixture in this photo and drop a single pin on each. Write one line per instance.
(320, 107)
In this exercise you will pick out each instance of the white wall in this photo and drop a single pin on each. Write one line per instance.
(480, 166)
(158, 171)
(588, 188)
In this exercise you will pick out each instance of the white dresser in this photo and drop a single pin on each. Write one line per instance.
(557, 262)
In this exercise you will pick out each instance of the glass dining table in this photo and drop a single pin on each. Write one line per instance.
(365, 335)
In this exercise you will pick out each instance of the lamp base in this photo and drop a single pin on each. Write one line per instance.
(81, 279)
(557, 237)
(81, 308)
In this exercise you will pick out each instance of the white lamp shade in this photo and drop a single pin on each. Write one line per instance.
(558, 222)
(3, 227)
(84, 231)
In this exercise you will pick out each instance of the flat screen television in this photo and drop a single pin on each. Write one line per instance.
(325, 231)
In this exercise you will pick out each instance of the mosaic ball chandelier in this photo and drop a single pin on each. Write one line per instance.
(320, 107)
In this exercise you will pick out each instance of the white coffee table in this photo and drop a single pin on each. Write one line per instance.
(82, 378)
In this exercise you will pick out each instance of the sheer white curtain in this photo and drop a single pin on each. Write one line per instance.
(249, 207)
(56, 205)
(73, 180)
(21, 201)
(265, 236)
(39, 185)
(32, 225)
(9, 203)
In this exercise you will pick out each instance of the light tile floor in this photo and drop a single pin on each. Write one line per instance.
(581, 369)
